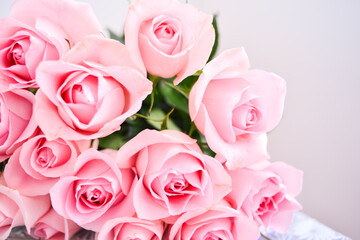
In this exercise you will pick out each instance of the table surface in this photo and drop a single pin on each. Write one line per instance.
(303, 227)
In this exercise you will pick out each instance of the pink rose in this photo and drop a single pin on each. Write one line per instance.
(170, 38)
(35, 167)
(131, 228)
(96, 192)
(266, 194)
(17, 210)
(217, 222)
(175, 177)
(17, 122)
(91, 92)
(53, 226)
(39, 30)
(234, 106)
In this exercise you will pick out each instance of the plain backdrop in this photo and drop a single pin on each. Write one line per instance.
(315, 46)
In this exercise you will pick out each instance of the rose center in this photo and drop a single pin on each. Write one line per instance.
(251, 116)
(176, 185)
(16, 55)
(164, 31)
(84, 92)
(245, 116)
(268, 204)
(45, 157)
(81, 95)
(94, 196)
(211, 236)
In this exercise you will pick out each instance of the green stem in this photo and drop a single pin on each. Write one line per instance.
(155, 80)
(264, 236)
(192, 129)
(147, 118)
(179, 89)
(68, 42)
(166, 118)
(203, 143)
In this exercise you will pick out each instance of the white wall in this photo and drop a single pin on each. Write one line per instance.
(315, 46)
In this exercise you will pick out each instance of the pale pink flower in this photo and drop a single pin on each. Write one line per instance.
(266, 194)
(17, 121)
(170, 38)
(175, 176)
(234, 107)
(96, 192)
(131, 228)
(39, 30)
(91, 92)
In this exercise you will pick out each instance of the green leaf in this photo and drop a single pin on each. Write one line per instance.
(113, 141)
(172, 96)
(132, 126)
(192, 129)
(157, 113)
(189, 82)
(205, 147)
(216, 42)
(115, 36)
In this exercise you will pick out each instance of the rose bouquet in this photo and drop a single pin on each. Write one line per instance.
(142, 136)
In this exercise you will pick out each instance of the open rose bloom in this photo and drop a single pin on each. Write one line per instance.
(234, 106)
(175, 177)
(97, 191)
(39, 30)
(151, 138)
(266, 194)
(40, 163)
(131, 228)
(167, 33)
(218, 222)
(91, 93)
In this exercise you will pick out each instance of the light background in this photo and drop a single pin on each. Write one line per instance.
(315, 46)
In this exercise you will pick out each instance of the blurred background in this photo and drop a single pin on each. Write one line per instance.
(315, 47)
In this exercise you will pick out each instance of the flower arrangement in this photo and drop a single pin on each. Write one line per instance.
(151, 137)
